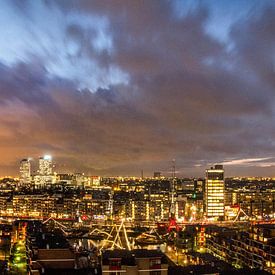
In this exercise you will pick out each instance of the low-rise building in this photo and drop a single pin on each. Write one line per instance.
(48, 251)
(134, 262)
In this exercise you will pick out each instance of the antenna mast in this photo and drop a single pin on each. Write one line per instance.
(172, 188)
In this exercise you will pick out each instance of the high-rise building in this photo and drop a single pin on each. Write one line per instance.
(214, 192)
(45, 166)
(25, 171)
(45, 173)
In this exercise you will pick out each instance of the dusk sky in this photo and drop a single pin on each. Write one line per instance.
(113, 87)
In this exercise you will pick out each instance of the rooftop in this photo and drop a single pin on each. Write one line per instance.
(128, 257)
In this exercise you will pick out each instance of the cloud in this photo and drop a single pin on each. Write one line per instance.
(137, 88)
(244, 161)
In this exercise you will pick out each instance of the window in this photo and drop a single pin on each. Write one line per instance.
(155, 264)
(115, 264)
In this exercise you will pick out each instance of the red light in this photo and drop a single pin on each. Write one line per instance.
(84, 217)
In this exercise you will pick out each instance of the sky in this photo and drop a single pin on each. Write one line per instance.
(115, 87)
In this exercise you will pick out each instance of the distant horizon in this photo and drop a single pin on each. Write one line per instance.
(146, 173)
(145, 177)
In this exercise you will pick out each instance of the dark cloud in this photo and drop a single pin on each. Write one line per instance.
(186, 97)
(255, 46)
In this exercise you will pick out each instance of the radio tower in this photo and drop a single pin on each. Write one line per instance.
(172, 219)
(172, 188)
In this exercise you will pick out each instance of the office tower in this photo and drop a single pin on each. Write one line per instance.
(45, 166)
(214, 192)
(25, 171)
(45, 172)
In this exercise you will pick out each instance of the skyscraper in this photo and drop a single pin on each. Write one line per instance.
(45, 172)
(45, 166)
(25, 171)
(214, 192)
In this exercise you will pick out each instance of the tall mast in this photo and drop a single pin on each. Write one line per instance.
(172, 188)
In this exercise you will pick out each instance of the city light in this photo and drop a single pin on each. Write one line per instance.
(47, 157)
(137, 137)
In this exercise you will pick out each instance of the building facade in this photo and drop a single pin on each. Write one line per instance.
(214, 192)
(45, 171)
(25, 171)
(45, 166)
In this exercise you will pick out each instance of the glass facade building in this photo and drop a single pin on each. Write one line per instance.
(214, 192)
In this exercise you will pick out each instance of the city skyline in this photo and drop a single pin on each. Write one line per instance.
(31, 166)
(116, 87)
